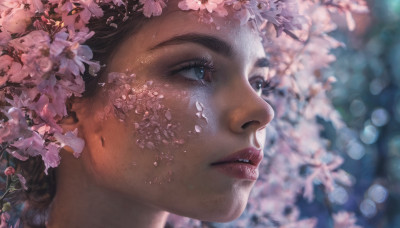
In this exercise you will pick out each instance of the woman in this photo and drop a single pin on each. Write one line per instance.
(179, 63)
(174, 121)
(190, 143)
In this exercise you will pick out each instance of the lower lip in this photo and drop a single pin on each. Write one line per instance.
(238, 170)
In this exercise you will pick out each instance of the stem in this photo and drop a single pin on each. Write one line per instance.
(3, 150)
(8, 180)
(4, 196)
(328, 204)
(8, 159)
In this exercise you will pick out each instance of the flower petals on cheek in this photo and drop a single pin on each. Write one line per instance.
(157, 117)
(200, 115)
(142, 105)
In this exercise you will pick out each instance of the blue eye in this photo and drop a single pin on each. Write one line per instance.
(197, 70)
(194, 73)
(260, 85)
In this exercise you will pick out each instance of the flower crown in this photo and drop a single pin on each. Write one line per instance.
(44, 57)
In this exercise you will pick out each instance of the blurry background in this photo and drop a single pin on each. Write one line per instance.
(367, 94)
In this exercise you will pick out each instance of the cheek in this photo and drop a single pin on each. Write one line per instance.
(162, 120)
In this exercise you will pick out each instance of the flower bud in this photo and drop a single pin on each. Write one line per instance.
(6, 207)
(9, 171)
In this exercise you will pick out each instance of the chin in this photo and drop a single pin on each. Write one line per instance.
(218, 211)
(225, 210)
(223, 207)
(228, 217)
(225, 216)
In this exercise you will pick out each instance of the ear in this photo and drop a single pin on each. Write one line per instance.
(71, 139)
(71, 121)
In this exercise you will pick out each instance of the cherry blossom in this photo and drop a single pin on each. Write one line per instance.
(17, 21)
(209, 5)
(245, 9)
(344, 220)
(152, 7)
(76, 15)
(71, 139)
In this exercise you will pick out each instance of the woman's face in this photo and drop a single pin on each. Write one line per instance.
(174, 127)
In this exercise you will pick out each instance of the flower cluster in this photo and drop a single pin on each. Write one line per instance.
(44, 57)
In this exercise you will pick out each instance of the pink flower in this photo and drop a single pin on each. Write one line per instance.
(15, 127)
(345, 219)
(29, 146)
(209, 5)
(305, 223)
(47, 114)
(9, 171)
(321, 171)
(71, 140)
(27, 43)
(71, 53)
(347, 6)
(5, 217)
(35, 61)
(51, 157)
(251, 9)
(343, 177)
(17, 21)
(35, 5)
(152, 7)
(76, 17)
(244, 9)
(283, 14)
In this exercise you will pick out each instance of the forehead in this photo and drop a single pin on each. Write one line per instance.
(174, 22)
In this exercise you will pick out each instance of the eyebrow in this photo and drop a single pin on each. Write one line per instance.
(262, 62)
(211, 42)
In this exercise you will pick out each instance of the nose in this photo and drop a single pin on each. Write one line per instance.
(249, 112)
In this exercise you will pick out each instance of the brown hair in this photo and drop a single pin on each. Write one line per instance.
(117, 24)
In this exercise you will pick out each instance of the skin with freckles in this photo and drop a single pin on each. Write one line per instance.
(178, 97)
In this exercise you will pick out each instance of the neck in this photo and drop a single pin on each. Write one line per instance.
(80, 203)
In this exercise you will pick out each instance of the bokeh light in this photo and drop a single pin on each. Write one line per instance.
(339, 195)
(367, 95)
(380, 117)
(377, 193)
(357, 108)
(368, 208)
(369, 134)
(355, 150)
